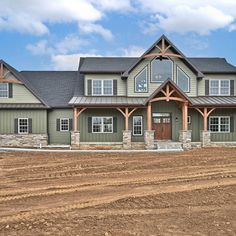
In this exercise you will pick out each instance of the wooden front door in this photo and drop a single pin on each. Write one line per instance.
(162, 127)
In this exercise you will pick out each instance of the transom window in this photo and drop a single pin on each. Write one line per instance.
(219, 124)
(102, 87)
(102, 124)
(182, 80)
(23, 126)
(141, 81)
(161, 70)
(219, 87)
(137, 125)
(64, 124)
(4, 90)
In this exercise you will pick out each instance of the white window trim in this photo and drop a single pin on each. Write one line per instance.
(219, 87)
(102, 124)
(154, 81)
(141, 126)
(179, 69)
(19, 125)
(219, 118)
(7, 91)
(102, 87)
(68, 124)
(145, 68)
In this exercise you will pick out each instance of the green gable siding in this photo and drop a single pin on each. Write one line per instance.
(95, 137)
(57, 137)
(39, 120)
(152, 86)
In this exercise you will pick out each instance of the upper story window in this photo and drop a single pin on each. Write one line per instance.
(183, 80)
(102, 87)
(4, 88)
(219, 87)
(141, 81)
(161, 70)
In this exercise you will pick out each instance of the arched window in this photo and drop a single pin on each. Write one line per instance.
(182, 80)
(141, 81)
(161, 70)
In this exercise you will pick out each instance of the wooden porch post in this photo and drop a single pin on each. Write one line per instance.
(185, 116)
(126, 118)
(205, 119)
(75, 119)
(149, 116)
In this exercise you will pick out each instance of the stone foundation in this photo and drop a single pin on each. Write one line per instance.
(185, 137)
(75, 138)
(149, 139)
(127, 139)
(205, 138)
(23, 140)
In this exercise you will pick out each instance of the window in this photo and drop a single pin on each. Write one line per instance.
(141, 81)
(161, 70)
(182, 80)
(102, 124)
(219, 124)
(189, 119)
(137, 125)
(4, 90)
(102, 87)
(23, 126)
(219, 87)
(64, 124)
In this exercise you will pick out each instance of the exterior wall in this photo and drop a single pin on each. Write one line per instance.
(152, 86)
(121, 84)
(39, 120)
(85, 136)
(20, 93)
(201, 83)
(57, 137)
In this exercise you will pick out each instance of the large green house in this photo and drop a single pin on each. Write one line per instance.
(160, 98)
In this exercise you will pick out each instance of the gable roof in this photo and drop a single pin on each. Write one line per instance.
(213, 65)
(25, 82)
(175, 86)
(185, 59)
(106, 64)
(55, 87)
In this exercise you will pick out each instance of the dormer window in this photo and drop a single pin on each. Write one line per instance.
(102, 87)
(161, 70)
(4, 90)
(141, 81)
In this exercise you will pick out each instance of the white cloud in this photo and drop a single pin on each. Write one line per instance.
(133, 51)
(68, 62)
(89, 28)
(198, 16)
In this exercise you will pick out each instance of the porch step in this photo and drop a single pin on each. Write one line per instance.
(169, 146)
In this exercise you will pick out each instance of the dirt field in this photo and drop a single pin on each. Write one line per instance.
(187, 193)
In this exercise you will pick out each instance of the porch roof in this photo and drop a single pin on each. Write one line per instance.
(213, 101)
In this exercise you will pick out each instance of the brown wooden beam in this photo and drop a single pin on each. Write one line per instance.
(75, 119)
(10, 81)
(149, 116)
(126, 118)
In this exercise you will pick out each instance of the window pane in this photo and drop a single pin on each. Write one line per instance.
(224, 124)
(161, 70)
(224, 88)
(107, 87)
(137, 125)
(183, 81)
(97, 124)
(23, 126)
(141, 81)
(97, 87)
(64, 125)
(3, 90)
(214, 87)
(214, 124)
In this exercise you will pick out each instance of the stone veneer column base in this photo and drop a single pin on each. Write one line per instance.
(185, 137)
(127, 139)
(205, 138)
(149, 139)
(23, 140)
(75, 138)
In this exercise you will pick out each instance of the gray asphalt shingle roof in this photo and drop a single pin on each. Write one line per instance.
(55, 87)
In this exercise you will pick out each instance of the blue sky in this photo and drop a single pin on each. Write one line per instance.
(52, 35)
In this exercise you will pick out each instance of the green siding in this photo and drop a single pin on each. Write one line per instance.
(39, 120)
(57, 137)
(93, 137)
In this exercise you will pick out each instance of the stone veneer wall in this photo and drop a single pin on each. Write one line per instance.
(127, 139)
(149, 139)
(23, 140)
(185, 137)
(75, 138)
(205, 138)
